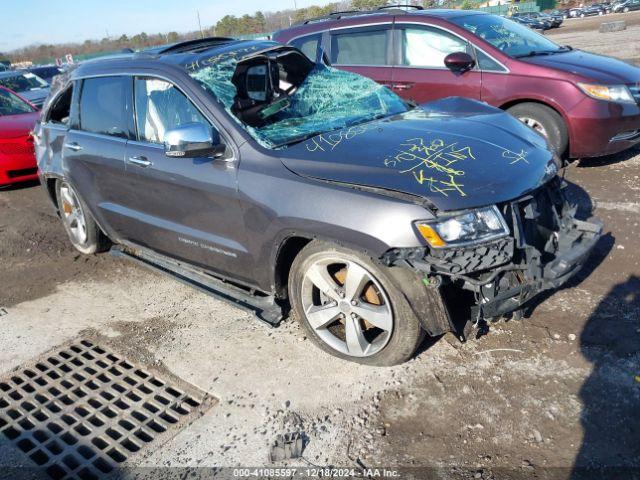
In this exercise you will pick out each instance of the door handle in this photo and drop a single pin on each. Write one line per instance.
(402, 86)
(73, 146)
(140, 161)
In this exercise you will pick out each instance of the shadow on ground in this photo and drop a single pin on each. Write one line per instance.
(611, 394)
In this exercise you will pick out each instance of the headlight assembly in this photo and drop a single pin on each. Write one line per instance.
(610, 93)
(475, 226)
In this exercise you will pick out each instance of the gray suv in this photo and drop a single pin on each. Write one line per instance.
(254, 174)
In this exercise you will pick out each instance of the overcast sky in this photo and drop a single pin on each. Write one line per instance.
(30, 22)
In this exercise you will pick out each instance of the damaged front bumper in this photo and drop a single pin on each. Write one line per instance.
(547, 246)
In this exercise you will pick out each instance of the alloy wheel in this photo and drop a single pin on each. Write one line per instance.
(535, 125)
(346, 306)
(73, 214)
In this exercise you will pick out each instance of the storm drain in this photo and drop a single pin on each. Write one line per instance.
(81, 410)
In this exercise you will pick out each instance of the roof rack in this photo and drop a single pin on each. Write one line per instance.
(188, 45)
(390, 9)
(400, 7)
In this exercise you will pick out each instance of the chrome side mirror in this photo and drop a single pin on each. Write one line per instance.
(193, 140)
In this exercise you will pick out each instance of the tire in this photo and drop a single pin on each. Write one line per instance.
(582, 15)
(625, 9)
(83, 232)
(328, 264)
(552, 125)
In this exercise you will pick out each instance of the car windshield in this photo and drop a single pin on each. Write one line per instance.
(23, 82)
(307, 100)
(11, 104)
(506, 35)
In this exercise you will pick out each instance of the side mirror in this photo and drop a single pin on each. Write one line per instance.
(459, 62)
(193, 140)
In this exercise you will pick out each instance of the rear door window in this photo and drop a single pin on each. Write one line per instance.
(102, 106)
(360, 47)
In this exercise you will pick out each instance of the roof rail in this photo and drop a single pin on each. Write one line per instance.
(191, 45)
(391, 7)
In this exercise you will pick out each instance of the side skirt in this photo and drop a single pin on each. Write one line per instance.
(264, 307)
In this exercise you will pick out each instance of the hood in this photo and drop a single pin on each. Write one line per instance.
(12, 126)
(595, 67)
(456, 153)
(35, 96)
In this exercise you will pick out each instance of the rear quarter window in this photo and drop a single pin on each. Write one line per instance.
(102, 106)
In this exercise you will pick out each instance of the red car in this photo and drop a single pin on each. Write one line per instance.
(17, 119)
(585, 104)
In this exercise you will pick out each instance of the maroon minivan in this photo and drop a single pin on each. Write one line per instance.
(585, 104)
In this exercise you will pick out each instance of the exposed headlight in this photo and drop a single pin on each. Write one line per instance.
(610, 93)
(475, 226)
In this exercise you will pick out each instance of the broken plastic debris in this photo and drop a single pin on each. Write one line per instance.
(286, 446)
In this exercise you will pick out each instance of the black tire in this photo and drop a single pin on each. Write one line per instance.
(96, 241)
(407, 333)
(550, 120)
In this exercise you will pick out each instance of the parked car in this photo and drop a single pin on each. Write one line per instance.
(46, 72)
(575, 12)
(17, 119)
(586, 105)
(626, 6)
(251, 171)
(555, 20)
(545, 21)
(592, 10)
(564, 13)
(28, 85)
(534, 23)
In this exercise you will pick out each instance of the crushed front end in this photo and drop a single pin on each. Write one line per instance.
(545, 247)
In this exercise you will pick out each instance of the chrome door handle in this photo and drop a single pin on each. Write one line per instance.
(402, 86)
(140, 161)
(73, 146)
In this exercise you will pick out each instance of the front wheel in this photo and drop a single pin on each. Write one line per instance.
(350, 307)
(545, 121)
(84, 233)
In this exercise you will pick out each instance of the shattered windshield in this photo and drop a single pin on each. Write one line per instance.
(279, 108)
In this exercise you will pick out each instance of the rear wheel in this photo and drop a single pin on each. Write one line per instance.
(84, 233)
(545, 121)
(350, 308)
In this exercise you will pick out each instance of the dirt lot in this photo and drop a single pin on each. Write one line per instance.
(532, 399)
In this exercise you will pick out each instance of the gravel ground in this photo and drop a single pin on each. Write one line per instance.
(532, 398)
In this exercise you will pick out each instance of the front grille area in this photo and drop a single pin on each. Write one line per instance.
(81, 410)
(22, 173)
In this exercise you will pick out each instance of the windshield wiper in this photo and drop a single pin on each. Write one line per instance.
(299, 139)
(534, 53)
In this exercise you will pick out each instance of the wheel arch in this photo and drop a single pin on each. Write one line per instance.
(286, 253)
(517, 101)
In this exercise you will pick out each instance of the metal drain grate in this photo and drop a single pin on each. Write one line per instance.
(81, 410)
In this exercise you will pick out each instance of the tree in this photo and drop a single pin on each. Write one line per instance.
(466, 5)
(367, 4)
(173, 37)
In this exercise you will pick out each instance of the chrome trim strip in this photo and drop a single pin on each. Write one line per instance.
(225, 135)
(400, 23)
